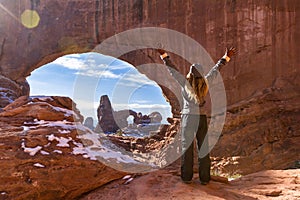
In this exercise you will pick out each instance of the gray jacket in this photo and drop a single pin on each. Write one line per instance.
(189, 106)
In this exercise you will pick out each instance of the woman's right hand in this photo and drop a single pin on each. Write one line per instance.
(229, 53)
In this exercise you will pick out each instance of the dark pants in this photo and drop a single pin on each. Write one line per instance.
(194, 126)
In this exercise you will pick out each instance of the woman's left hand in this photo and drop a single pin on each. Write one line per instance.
(231, 52)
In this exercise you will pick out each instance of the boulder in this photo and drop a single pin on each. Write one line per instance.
(46, 153)
(38, 162)
(42, 108)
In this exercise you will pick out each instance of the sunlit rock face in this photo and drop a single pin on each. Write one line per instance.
(262, 132)
(46, 153)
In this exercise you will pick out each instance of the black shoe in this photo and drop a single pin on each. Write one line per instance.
(204, 182)
(187, 182)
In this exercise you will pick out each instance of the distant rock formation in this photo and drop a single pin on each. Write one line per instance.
(121, 117)
(105, 116)
(141, 119)
(155, 117)
(109, 121)
(89, 123)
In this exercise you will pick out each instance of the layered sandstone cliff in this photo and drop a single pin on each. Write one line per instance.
(265, 33)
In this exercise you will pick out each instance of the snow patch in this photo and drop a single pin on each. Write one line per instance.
(64, 131)
(31, 151)
(63, 126)
(78, 144)
(51, 137)
(68, 113)
(126, 177)
(128, 181)
(38, 165)
(25, 129)
(57, 151)
(62, 142)
(98, 150)
(95, 151)
(44, 152)
(79, 150)
(42, 98)
(47, 145)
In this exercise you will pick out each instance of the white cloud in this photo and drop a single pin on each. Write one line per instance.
(89, 105)
(142, 101)
(134, 106)
(136, 80)
(98, 73)
(71, 62)
(86, 104)
(88, 67)
(120, 67)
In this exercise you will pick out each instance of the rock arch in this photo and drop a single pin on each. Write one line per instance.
(109, 121)
(77, 26)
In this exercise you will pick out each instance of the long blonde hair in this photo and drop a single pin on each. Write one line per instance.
(197, 88)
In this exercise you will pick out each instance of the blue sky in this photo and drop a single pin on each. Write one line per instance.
(86, 77)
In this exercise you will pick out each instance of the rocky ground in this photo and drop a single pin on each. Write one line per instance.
(166, 184)
(260, 133)
(46, 153)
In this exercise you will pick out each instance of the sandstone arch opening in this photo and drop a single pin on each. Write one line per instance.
(126, 88)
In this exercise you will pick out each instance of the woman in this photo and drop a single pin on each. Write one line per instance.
(193, 124)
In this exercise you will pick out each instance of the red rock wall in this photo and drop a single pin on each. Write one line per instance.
(265, 33)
